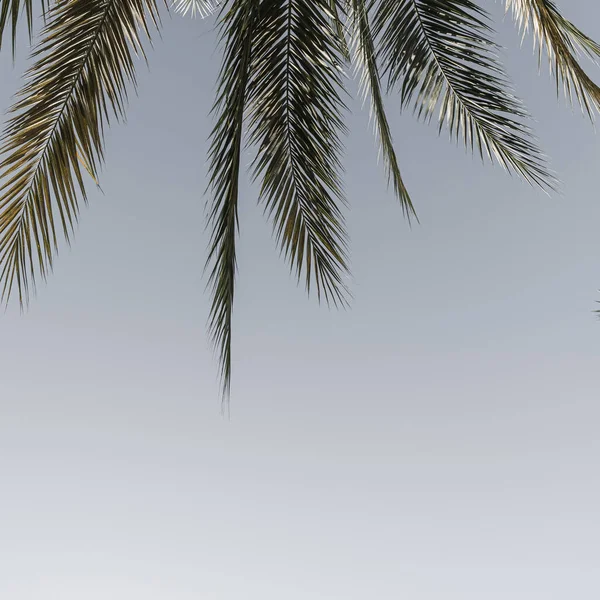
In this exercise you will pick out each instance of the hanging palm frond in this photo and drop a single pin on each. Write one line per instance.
(295, 121)
(84, 63)
(440, 55)
(237, 27)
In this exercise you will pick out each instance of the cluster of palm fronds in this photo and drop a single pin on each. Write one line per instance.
(281, 92)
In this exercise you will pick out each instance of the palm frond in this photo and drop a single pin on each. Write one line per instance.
(439, 53)
(237, 26)
(84, 62)
(370, 83)
(562, 42)
(295, 121)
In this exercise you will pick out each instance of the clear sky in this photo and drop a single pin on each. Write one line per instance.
(438, 441)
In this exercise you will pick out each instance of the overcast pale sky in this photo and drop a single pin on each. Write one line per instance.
(438, 441)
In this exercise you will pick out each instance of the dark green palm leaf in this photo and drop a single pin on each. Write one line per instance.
(84, 62)
(440, 55)
(295, 121)
(237, 26)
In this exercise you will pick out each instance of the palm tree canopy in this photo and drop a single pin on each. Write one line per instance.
(282, 93)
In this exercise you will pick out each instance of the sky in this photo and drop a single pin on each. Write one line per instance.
(437, 441)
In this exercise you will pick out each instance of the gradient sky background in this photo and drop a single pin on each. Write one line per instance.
(438, 441)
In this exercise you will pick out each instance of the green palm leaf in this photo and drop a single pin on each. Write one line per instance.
(440, 55)
(562, 42)
(295, 121)
(237, 25)
(84, 62)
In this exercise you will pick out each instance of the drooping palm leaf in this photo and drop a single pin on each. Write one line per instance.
(237, 25)
(562, 42)
(295, 121)
(366, 60)
(440, 55)
(84, 63)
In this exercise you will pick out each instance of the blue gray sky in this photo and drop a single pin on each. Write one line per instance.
(437, 441)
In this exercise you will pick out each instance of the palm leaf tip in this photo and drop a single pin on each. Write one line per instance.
(441, 58)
